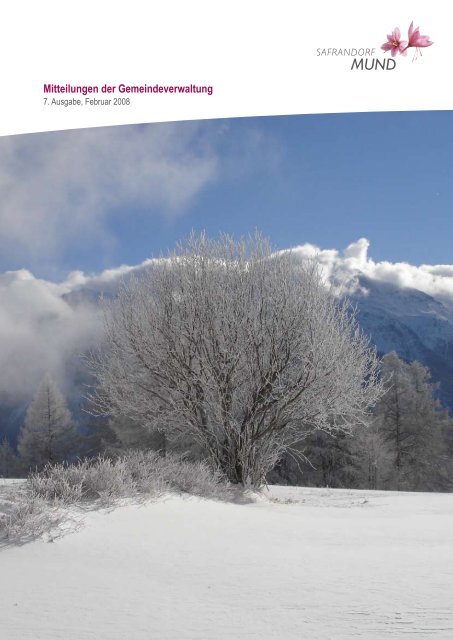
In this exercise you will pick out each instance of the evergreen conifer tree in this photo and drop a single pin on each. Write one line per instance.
(48, 433)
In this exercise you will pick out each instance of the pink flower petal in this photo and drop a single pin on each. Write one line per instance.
(415, 35)
(411, 29)
(424, 41)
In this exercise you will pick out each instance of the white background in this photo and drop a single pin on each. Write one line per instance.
(259, 56)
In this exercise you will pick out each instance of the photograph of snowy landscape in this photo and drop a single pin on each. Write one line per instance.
(226, 380)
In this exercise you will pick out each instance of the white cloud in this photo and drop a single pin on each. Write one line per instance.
(39, 332)
(47, 326)
(344, 268)
(58, 189)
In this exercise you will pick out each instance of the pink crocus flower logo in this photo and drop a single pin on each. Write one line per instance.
(394, 43)
(415, 40)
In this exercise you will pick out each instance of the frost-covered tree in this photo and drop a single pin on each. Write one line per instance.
(48, 433)
(242, 348)
(406, 446)
(373, 457)
(413, 424)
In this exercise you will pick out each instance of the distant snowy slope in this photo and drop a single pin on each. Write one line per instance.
(412, 323)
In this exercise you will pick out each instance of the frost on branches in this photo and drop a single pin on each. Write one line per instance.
(48, 433)
(414, 427)
(239, 347)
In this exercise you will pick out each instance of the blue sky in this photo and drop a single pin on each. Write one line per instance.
(98, 198)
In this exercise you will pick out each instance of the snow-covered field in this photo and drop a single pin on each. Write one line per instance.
(299, 563)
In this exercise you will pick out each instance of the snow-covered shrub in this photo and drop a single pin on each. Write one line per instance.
(30, 517)
(84, 480)
(135, 473)
(196, 478)
(56, 483)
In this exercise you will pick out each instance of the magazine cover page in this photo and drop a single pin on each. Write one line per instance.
(226, 320)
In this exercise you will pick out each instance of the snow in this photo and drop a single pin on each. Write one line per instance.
(295, 563)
